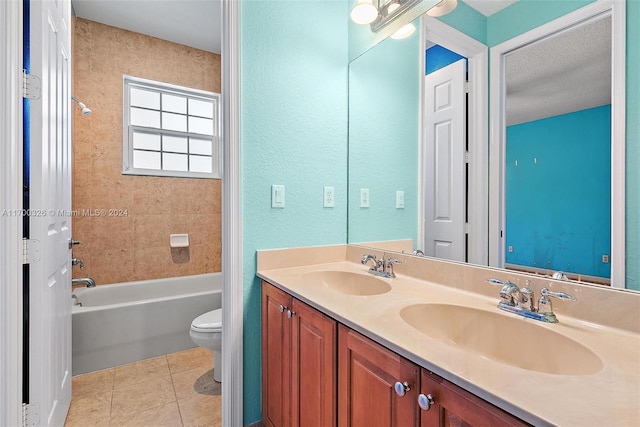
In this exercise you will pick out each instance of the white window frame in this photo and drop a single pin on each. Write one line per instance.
(128, 129)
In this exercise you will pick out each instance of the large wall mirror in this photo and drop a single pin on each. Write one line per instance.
(543, 197)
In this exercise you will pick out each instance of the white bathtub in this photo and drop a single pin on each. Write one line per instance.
(127, 322)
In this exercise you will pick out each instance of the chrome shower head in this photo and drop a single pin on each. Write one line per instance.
(85, 110)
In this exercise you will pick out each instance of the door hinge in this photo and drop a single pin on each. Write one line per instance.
(466, 228)
(466, 157)
(467, 87)
(30, 414)
(30, 251)
(31, 86)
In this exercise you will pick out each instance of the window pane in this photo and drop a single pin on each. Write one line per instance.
(174, 122)
(198, 125)
(200, 164)
(174, 162)
(144, 98)
(174, 143)
(200, 108)
(200, 146)
(146, 118)
(146, 141)
(146, 160)
(173, 103)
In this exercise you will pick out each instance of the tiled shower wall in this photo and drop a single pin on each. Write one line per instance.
(135, 246)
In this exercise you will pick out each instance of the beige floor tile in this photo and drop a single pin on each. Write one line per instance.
(166, 415)
(197, 381)
(95, 407)
(144, 370)
(142, 396)
(201, 411)
(189, 359)
(87, 421)
(90, 384)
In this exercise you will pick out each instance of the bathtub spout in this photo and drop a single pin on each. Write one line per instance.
(88, 281)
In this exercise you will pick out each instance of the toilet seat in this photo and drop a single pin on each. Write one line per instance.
(209, 322)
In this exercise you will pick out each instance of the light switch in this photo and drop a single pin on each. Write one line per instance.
(277, 196)
(328, 200)
(364, 197)
(399, 199)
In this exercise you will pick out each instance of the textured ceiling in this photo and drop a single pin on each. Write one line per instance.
(568, 72)
(195, 23)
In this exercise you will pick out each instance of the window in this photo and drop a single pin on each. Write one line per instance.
(170, 130)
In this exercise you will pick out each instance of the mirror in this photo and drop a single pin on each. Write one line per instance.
(384, 151)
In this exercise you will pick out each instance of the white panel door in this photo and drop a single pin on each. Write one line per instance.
(445, 168)
(49, 367)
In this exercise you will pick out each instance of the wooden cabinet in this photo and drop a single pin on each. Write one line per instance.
(299, 350)
(367, 378)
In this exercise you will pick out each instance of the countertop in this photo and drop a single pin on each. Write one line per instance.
(608, 396)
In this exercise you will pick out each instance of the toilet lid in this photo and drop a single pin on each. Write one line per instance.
(211, 321)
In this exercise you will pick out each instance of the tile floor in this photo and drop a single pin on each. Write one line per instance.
(172, 390)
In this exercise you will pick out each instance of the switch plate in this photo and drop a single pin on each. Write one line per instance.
(277, 196)
(510, 249)
(328, 200)
(364, 197)
(399, 199)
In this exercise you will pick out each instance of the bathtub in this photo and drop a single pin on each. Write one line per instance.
(127, 322)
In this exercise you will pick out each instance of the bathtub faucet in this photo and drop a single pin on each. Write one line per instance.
(88, 281)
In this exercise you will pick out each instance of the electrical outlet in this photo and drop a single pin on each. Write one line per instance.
(364, 197)
(605, 259)
(399, 199)
(510, 249)
(329, 194)
(277, 196)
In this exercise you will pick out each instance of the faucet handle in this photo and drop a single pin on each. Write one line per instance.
(544, 304)
(547, 293)
(76, 261)
(500, 282)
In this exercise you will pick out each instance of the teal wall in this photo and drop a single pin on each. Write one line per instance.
(294, 58)
(384, 101)
(558, 214)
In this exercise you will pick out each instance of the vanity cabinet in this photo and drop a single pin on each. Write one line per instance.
(299, 371)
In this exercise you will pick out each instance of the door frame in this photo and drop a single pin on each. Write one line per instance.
(478, 118)
(498, 130)
(11, 226)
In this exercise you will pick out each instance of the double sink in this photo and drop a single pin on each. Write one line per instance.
(498, 336)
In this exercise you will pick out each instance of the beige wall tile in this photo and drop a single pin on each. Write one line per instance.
(109, 266)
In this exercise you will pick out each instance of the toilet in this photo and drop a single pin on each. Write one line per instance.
(206, 332)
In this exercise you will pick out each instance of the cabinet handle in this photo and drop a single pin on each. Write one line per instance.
(290, 314)
(425, 402)
(282, 308)
(402, 388)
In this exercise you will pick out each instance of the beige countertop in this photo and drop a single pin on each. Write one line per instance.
(606, 393)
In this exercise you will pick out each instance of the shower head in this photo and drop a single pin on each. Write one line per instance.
(85, 110)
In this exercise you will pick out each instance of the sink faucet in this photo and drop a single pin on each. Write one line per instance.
(88, 281)
(380, 267)
(515, 299)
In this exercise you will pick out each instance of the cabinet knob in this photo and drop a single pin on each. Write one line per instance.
(402, 388)
(425, 402)
(290, 314)
(282, 308)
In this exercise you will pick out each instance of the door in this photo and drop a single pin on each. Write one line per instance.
(49, 186)
(368, 377)
(445, 169)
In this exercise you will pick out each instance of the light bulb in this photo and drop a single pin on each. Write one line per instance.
(364, 12)
(442, 8)
(403, 32)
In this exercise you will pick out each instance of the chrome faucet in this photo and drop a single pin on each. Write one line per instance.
(87, 281)
(520, 301)
(380, 267)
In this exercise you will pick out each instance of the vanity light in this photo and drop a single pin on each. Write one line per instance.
(364, 12)
(442, 8)
(404, 32)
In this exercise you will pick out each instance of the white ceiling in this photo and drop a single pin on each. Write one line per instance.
(195, 23)
(489, 7)
(561, 74)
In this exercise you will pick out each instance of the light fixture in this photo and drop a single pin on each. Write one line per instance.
(442, 8)
(404, 32)
(85, 110)
(389, 10)
(364, 12)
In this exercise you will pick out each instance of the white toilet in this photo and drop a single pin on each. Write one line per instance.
(206, 332)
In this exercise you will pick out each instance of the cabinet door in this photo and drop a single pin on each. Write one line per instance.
(276, 367)
(313, 367)
(455, 407)
(367, 378)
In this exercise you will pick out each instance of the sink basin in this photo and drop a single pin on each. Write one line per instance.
(510, 340)
(347, 282)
